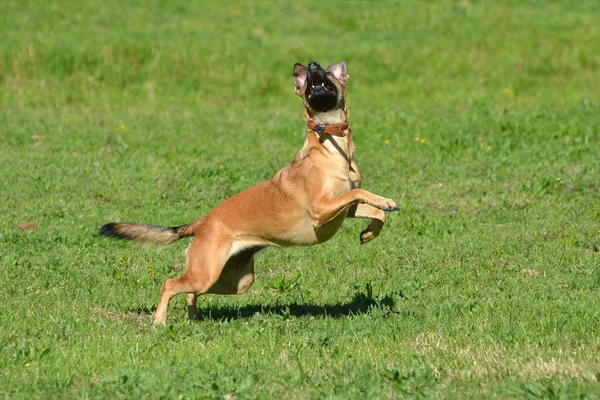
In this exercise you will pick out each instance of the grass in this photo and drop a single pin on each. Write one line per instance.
(481, 120)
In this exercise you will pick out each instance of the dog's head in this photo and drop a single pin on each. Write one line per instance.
(322, 90)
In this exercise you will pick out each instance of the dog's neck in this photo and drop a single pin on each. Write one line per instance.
(337, 116)
(337, 145)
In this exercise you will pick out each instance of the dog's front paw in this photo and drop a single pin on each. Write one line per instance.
(386, 204)
(372, 231)
(367, 235)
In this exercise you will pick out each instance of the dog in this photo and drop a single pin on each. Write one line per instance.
(303, 204)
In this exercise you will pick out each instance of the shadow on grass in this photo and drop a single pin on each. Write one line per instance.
(360, 304)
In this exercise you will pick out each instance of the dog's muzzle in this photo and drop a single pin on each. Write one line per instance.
(321, 93)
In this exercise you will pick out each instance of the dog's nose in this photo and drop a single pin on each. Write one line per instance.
(314, 65)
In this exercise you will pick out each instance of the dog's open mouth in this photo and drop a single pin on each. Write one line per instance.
(321, 92)
(319, 86)
(315, 79)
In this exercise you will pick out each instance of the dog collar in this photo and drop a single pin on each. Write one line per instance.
(330, 129)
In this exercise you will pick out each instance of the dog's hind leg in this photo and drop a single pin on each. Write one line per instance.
(190, 301)
(206, 258)
(237, 275)
(236, 278)
(377, 220)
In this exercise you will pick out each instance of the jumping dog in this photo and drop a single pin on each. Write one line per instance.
(303, 204)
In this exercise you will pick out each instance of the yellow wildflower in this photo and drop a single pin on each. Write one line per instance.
(417, 138)
(423, 140)
(507, 90)
(386, 142)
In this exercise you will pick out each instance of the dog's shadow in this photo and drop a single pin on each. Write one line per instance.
(360, 304)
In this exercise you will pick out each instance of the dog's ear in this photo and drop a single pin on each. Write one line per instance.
(299, 78)
(340, 71)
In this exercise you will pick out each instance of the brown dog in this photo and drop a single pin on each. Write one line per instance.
(303, 204)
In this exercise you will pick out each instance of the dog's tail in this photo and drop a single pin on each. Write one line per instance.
(142, 233)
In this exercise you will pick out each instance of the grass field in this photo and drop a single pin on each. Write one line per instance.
(481, 119)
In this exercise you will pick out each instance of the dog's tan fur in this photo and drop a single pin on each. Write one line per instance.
(303, 204)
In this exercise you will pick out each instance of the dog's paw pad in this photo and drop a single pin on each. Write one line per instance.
(366, 236)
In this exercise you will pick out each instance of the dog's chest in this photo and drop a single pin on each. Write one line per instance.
(344, 169)
(354, 176)
(343, 181)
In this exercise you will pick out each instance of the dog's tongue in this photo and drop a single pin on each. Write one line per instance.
(315, 79)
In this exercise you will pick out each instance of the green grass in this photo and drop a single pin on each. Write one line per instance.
(481, 119)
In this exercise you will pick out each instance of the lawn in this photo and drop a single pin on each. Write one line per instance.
(481, 119)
